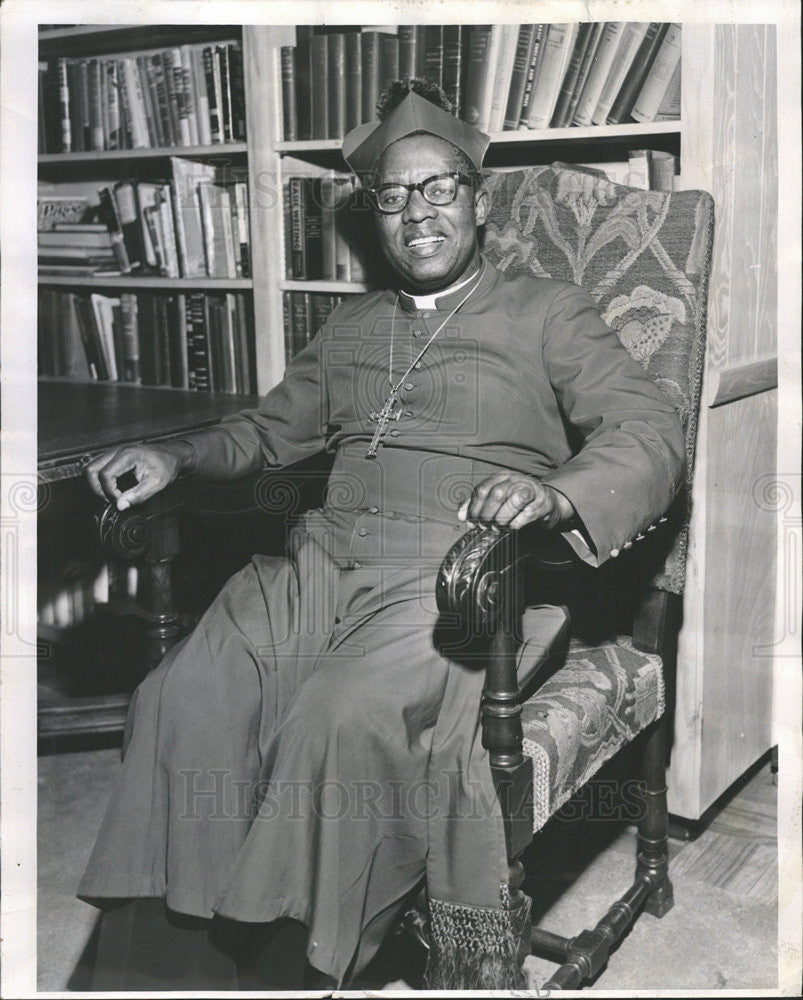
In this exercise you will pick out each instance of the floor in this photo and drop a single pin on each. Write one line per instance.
(721, 934)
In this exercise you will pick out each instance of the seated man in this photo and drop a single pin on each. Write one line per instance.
(309, 753)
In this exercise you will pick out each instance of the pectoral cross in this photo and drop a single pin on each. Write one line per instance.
(382, 419)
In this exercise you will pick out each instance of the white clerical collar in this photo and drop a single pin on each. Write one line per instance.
(430, 301)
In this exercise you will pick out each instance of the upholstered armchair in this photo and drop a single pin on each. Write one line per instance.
(645, 258)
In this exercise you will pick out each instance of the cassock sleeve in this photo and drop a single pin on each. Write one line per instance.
(288, 425)
(631, 458)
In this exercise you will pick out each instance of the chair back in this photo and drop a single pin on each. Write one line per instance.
(645, 257)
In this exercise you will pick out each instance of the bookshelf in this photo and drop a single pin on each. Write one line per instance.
(725, 140)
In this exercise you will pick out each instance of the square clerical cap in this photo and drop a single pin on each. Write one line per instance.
(364, 144)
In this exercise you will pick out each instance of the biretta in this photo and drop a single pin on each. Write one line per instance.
(364, 144)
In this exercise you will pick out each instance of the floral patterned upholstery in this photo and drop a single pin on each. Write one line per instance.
(596, 703)
(645, 258)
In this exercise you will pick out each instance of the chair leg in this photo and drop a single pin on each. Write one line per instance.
(653, 845)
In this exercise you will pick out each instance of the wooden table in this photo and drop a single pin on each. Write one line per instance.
(84, 419)
(79, 418)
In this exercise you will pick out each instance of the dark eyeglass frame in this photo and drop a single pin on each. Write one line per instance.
(455, 175)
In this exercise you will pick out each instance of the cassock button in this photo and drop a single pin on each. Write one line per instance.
(409, 386)
(628, 545)
(417, 365)
(356, 565)
(362, 532)
(418, 333)
(373, 510)
(394, 433)
(614, 552)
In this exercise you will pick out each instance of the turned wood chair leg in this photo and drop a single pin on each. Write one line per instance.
(163, 627)
(653, 841)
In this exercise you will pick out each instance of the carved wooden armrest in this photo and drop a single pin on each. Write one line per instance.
(480, 587)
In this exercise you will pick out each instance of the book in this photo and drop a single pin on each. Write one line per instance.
(336, 85)
(656, 84)
(216, 228)
(302, 62)
(634, 80)
(214, 93)
(508, 43)
(237, 89)
(102, 307)
(532, 73)
(433, 53)
(598, 71)
(111, 217)
(289, 97)
(242, 229)
(187, 174)
(90, 337)
(412, 49)
(388, 60)
(54, 209)
(478, 85)
(454, 49)
(638, 161)
(124, 194)
(557, 52)
(370, 74)
(518, 78)
(626, 52)
(222, 56)
(130, 337)
(189, 95)
(585, 67)
(320, 80)
(71, 354)
(669, 109)
(353, 80)
(560, 116)
(201, 95)
(301, 320)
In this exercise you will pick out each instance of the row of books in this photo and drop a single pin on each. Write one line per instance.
(497, 77)
(304, 313)
(322, 232)
(189, 95)
(194, 225)
(196, 340)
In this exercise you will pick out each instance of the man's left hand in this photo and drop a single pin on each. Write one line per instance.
(511, 500)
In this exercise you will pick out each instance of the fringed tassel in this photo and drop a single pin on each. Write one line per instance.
(477, 949)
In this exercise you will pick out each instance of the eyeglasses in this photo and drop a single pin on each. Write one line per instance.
(441, 189)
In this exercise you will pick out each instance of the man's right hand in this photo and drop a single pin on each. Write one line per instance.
(154, 466)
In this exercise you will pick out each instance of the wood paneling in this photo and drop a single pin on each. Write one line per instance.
(724, 697)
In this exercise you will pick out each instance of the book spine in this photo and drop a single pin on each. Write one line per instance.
(301, 320)
(336, 85)
(176, 341)
(201, 97)
(453, 65)
(125, 198)
(73, 358)
(321, 305)
(111, 218)
(128, 310)
(223, 61)
(289, 98)
(189, 94)
(298, 255)
(353, 74)
(95, 116)
(287, 326)
(139, 121)
(90, 337)
(518, 79)
(408, 51)
(113, 136)
(637, 74)
(324, 195)
(388, 60)
(433, 53)
(557, 52)
(585, 68)
(632, 37)
(237, 78)
(370, 74)
(560, 117)
(502, 78)
(303, 66)
(313, 228)
(243, 229)
(73, 86)
(532, 73)
(661, 170)
(64, 105)
(320, 79)
(181, 98)
(150, 69)
(659, 78)
(638, 162)
(670, 106)
(598, 73)
(479, 41)
(212, 73)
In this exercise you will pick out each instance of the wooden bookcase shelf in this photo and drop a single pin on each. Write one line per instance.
(219, 150)
(134, 281)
